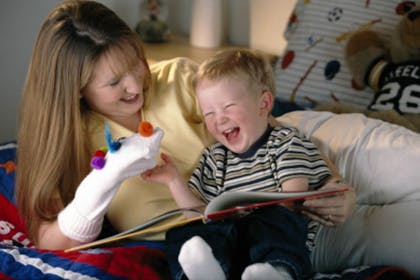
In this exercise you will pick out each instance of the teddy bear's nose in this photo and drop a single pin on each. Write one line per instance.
(412, 16)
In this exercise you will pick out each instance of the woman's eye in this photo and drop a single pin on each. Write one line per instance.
(113, 83)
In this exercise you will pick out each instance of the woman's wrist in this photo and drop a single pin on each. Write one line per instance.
(78, 227)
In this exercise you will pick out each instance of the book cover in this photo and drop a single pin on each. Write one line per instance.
(226, 205)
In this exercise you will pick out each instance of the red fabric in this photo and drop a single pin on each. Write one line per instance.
(11, 226)
(137, 262)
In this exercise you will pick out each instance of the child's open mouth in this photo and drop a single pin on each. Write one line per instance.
(231, 133)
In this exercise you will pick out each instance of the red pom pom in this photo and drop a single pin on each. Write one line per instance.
(99, 153)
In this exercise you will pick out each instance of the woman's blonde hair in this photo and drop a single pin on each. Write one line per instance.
(53, 145)
(250, 66)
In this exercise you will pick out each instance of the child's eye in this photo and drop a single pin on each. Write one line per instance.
(229, 106)
(208, 114)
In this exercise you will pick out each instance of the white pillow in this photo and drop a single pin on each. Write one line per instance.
(312, 70)
(380, 160)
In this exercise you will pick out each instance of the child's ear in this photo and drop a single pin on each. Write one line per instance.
(266, 102)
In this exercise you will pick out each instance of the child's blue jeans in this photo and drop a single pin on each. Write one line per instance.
(272, 235)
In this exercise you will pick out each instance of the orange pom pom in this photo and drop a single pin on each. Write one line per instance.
(145, 129)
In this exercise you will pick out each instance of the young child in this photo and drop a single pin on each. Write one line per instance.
(235, 92)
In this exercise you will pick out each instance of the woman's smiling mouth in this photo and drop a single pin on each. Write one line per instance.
(130, 99)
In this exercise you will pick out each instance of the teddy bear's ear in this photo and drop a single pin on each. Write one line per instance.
(362, 48)
(405, 42)
(404, 7)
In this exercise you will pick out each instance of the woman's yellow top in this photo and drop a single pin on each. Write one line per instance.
(170, 104)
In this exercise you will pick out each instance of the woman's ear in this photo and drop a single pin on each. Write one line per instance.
(266, 103)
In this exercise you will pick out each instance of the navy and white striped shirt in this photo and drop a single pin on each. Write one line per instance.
(279, 155)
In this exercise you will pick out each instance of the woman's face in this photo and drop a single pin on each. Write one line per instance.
(115, 97)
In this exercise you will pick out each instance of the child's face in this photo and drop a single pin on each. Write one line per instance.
(234, 115)
(115, 97)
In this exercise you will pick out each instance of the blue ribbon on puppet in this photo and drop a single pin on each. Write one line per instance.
(112, 145)
(98, 159)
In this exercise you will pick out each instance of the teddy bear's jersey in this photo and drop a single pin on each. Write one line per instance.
(397, 86)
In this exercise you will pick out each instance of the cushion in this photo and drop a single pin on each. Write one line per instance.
(312, 70)
(380, 160)
(7, 168)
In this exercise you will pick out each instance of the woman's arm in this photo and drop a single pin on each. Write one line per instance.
(50, 237)
(82, 218)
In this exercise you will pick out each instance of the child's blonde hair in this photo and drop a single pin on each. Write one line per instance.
(251, 66)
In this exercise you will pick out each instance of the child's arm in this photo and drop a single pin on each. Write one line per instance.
(294, 185)
(168, 174)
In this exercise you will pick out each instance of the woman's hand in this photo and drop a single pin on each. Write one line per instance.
(81, 219)
(331, 210)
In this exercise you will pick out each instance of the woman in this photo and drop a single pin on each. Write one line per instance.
(88, 67)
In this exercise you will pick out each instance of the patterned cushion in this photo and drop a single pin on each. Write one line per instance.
(7, 169)
(312, 69)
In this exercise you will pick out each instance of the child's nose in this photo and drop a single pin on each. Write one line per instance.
(221, 118)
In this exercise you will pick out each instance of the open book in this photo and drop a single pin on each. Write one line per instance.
(226, 205)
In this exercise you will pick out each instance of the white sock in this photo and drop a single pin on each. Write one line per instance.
(265, 271)
(198, 262)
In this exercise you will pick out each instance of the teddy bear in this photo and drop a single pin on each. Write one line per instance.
(390, 68)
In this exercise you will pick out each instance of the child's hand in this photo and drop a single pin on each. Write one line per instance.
(291, 205)
(164, 173)
(331, 210)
